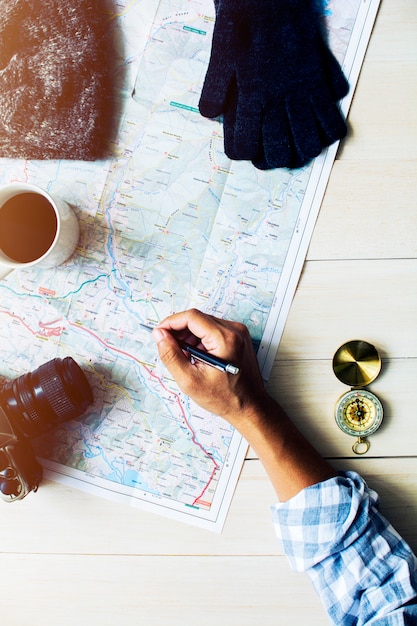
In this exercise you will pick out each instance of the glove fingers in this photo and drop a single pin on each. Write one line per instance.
(229, 119)
(215, 89)
(316, 123)
(221, 67)
(247, 135)
(334, 78)
(304, 128)
(241, 126)
(331, 122)
(277, 147)
(290, 135)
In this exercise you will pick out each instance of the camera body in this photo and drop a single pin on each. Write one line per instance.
(30, 405)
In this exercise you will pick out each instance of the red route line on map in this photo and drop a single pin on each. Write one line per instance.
(45, 330)
(176, 396)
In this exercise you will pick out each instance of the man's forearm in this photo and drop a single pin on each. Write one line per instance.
(290, 461)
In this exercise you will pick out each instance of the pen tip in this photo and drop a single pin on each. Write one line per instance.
(146, 327)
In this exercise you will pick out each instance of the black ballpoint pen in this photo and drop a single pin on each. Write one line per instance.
(204, 357)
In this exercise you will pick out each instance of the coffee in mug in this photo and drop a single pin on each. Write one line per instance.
(34, 228)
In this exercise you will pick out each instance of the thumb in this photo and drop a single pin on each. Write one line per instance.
(170, 352)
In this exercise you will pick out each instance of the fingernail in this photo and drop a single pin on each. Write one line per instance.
(158, 334)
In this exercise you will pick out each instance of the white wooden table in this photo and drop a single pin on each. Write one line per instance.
(68, 558)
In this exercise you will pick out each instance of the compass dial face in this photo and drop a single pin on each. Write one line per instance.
(359, 413)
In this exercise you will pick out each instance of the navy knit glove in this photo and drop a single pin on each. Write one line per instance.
(275, 82)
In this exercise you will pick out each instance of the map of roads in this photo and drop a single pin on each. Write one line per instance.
(169, 222)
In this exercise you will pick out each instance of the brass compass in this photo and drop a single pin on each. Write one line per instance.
(358, 412)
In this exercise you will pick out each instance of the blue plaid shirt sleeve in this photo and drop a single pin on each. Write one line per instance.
(364, 572)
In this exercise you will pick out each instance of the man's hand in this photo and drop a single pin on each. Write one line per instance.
(230, 396)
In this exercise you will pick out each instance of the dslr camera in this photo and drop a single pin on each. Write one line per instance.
(30, 405)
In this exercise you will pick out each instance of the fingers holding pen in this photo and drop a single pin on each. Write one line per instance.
(197, 380)
(194, 327)
(182, 336)
(223, 338)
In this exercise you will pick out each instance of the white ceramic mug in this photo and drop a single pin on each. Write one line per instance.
(35, 229)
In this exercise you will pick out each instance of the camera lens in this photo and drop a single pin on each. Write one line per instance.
(55, 392)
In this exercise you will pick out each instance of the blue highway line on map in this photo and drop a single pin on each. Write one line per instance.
(49, 297)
